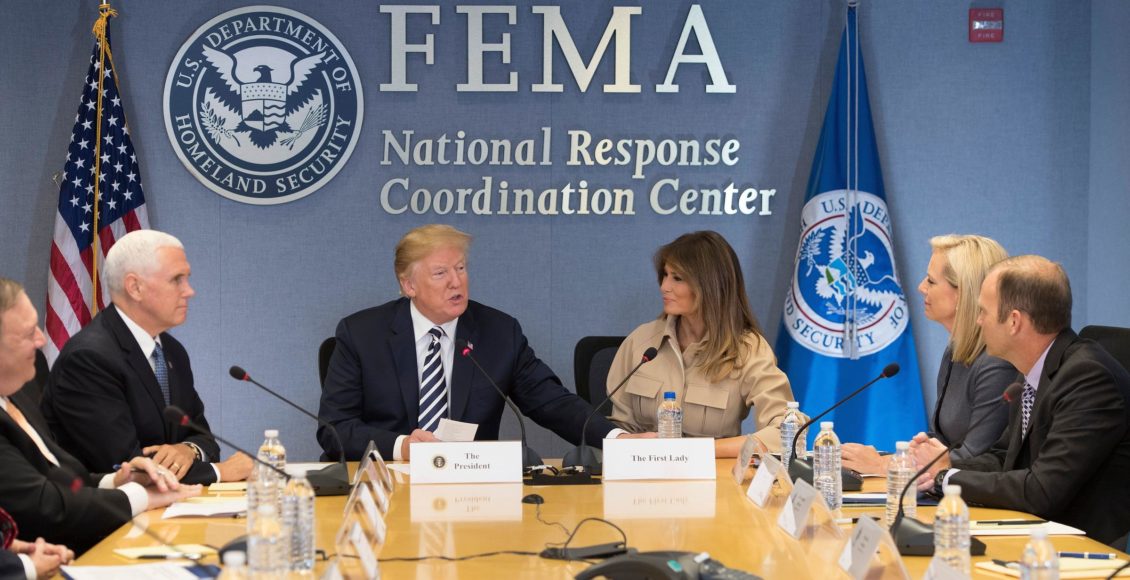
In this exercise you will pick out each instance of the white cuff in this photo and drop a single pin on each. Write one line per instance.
(216, 468)
(138, 497)
(949, 474)
(396, 447)
(615, 433)
(29, 567)
(107, 481)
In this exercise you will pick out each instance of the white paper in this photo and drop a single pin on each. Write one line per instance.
(865, 498)
(405, 468)
(682, 458)
(161, 571)
(467, 462)
(226, 508)
(1054, 529)
(450, 430)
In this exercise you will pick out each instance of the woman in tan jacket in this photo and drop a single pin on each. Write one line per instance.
(712, 353)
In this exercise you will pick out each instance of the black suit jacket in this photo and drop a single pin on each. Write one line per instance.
(372, 386)
(38, 494)
(103, 402)
(1073, 465)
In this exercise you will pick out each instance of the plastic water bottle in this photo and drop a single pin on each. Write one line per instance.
(789, 426)
(826, 478)
(234, 566)
(951, 530)
(899, 471)
(298, 519)
(670, 417)
(1039, 560)
(267, 545)
(272, 452)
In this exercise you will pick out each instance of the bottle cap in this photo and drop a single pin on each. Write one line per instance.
(826, 425)
(668, 395)
(271, 433)
(792, 405)
(902, 445)
(952, 489)
(234, 558)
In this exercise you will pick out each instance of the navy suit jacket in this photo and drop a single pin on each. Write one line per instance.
(1074, 463)
(39, 495)
(103, 402)
(372, 387)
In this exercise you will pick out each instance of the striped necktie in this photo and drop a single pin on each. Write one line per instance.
(433, 387)
(161, 370)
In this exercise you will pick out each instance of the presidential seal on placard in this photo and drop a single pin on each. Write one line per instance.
(263, 105)
(844, 270)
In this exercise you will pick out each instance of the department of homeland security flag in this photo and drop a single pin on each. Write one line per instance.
(100, 192)
(845, 312)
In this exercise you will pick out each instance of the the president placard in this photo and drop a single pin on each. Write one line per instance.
(466, 462)
(684, 458)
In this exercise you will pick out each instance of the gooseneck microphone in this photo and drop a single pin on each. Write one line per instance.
(530, 458)
(177, 416)
(799, 468)
(584, 456)
(330, 480)
(915, 538)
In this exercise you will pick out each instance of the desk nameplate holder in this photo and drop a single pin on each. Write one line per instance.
(679, 458)
(770, 471)
(866, 540)
(466, 462)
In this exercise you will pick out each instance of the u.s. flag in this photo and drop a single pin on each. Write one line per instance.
(100, 193)
(845, 314)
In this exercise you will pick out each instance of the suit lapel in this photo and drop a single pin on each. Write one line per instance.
(1052, 362)
(463, 371)
(136, 359)
(403, 345)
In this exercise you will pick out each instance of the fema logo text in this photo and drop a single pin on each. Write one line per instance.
(845, 278)
(263, 105)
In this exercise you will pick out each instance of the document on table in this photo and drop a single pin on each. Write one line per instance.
(213, 507)
(1068, 568)
(1019, 527)
(196, 550)
(161, 571)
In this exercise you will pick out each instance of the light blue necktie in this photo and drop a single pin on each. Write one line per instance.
(161, 370)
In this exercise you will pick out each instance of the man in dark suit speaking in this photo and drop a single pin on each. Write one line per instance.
(1066, 453)
(394, 374)
(114, 378)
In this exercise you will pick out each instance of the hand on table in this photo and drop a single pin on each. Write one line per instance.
(177, 458)
(145, 471)
(235, 468)
(419, 435)
(864, 459)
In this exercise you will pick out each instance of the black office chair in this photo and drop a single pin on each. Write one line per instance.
(591, 360)
(1114, 339)
(325, 351)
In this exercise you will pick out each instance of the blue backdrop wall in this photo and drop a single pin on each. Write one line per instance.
(1024, 141)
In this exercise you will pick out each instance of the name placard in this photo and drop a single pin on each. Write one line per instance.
(467, 503)
(794, 516)
(630, 500)
(682, 458)
(466, 462)
(856, 556)
(762, 483)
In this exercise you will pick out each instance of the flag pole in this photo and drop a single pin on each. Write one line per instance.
(105, 13)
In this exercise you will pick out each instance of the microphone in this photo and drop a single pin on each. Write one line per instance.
(915, 538)
(851, 481)
(177, 416)
(530, 458)
(330, 480)
(582, 455)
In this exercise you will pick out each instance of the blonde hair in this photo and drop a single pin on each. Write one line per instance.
(421, 241)
(10, 291)
(968, 260)
(708, 263)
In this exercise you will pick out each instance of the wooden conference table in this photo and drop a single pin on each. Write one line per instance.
(459, 520)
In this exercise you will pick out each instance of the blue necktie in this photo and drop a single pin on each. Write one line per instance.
(1027, 399)
(161, 370)
(433, 387)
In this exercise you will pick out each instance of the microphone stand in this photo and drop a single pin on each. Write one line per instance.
(330, 480)
(530, 458)
(851, 481)
(591, 460)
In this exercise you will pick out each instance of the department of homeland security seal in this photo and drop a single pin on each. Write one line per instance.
(844, 267)
(263, 105)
